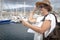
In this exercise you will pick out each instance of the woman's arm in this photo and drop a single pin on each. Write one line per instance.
(31, 19)
(45, 26)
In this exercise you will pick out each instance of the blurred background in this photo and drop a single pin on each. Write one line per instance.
(19, 7)
(13, 10)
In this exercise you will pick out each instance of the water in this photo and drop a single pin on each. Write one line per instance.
(14, 32)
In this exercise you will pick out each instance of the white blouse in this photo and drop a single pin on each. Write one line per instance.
(39, 23)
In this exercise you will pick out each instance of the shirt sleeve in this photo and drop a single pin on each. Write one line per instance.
(39, 19)
(48, 17)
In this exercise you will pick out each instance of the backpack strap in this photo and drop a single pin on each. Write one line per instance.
(44, 17)
(55, 18)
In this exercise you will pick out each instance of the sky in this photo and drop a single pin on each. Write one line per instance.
(13, 4)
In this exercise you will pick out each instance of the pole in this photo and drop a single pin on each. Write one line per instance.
(0, 7)
(24, 8)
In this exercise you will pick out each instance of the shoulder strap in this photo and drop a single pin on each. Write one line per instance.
(44, 17)
(55, 18)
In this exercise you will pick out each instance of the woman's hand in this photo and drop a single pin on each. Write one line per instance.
(31, 19)
(25, 23)
(35, 8)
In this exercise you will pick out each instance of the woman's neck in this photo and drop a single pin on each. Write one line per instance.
(45, 13)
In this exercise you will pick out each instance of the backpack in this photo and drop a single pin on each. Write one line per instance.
(54, 31)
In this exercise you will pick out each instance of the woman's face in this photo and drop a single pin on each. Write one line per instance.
(42, 9)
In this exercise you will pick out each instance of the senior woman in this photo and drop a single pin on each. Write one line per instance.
(45, 25)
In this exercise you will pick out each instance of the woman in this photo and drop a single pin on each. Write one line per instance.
(45, 26)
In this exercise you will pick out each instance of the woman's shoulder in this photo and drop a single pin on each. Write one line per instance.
(50, 16)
